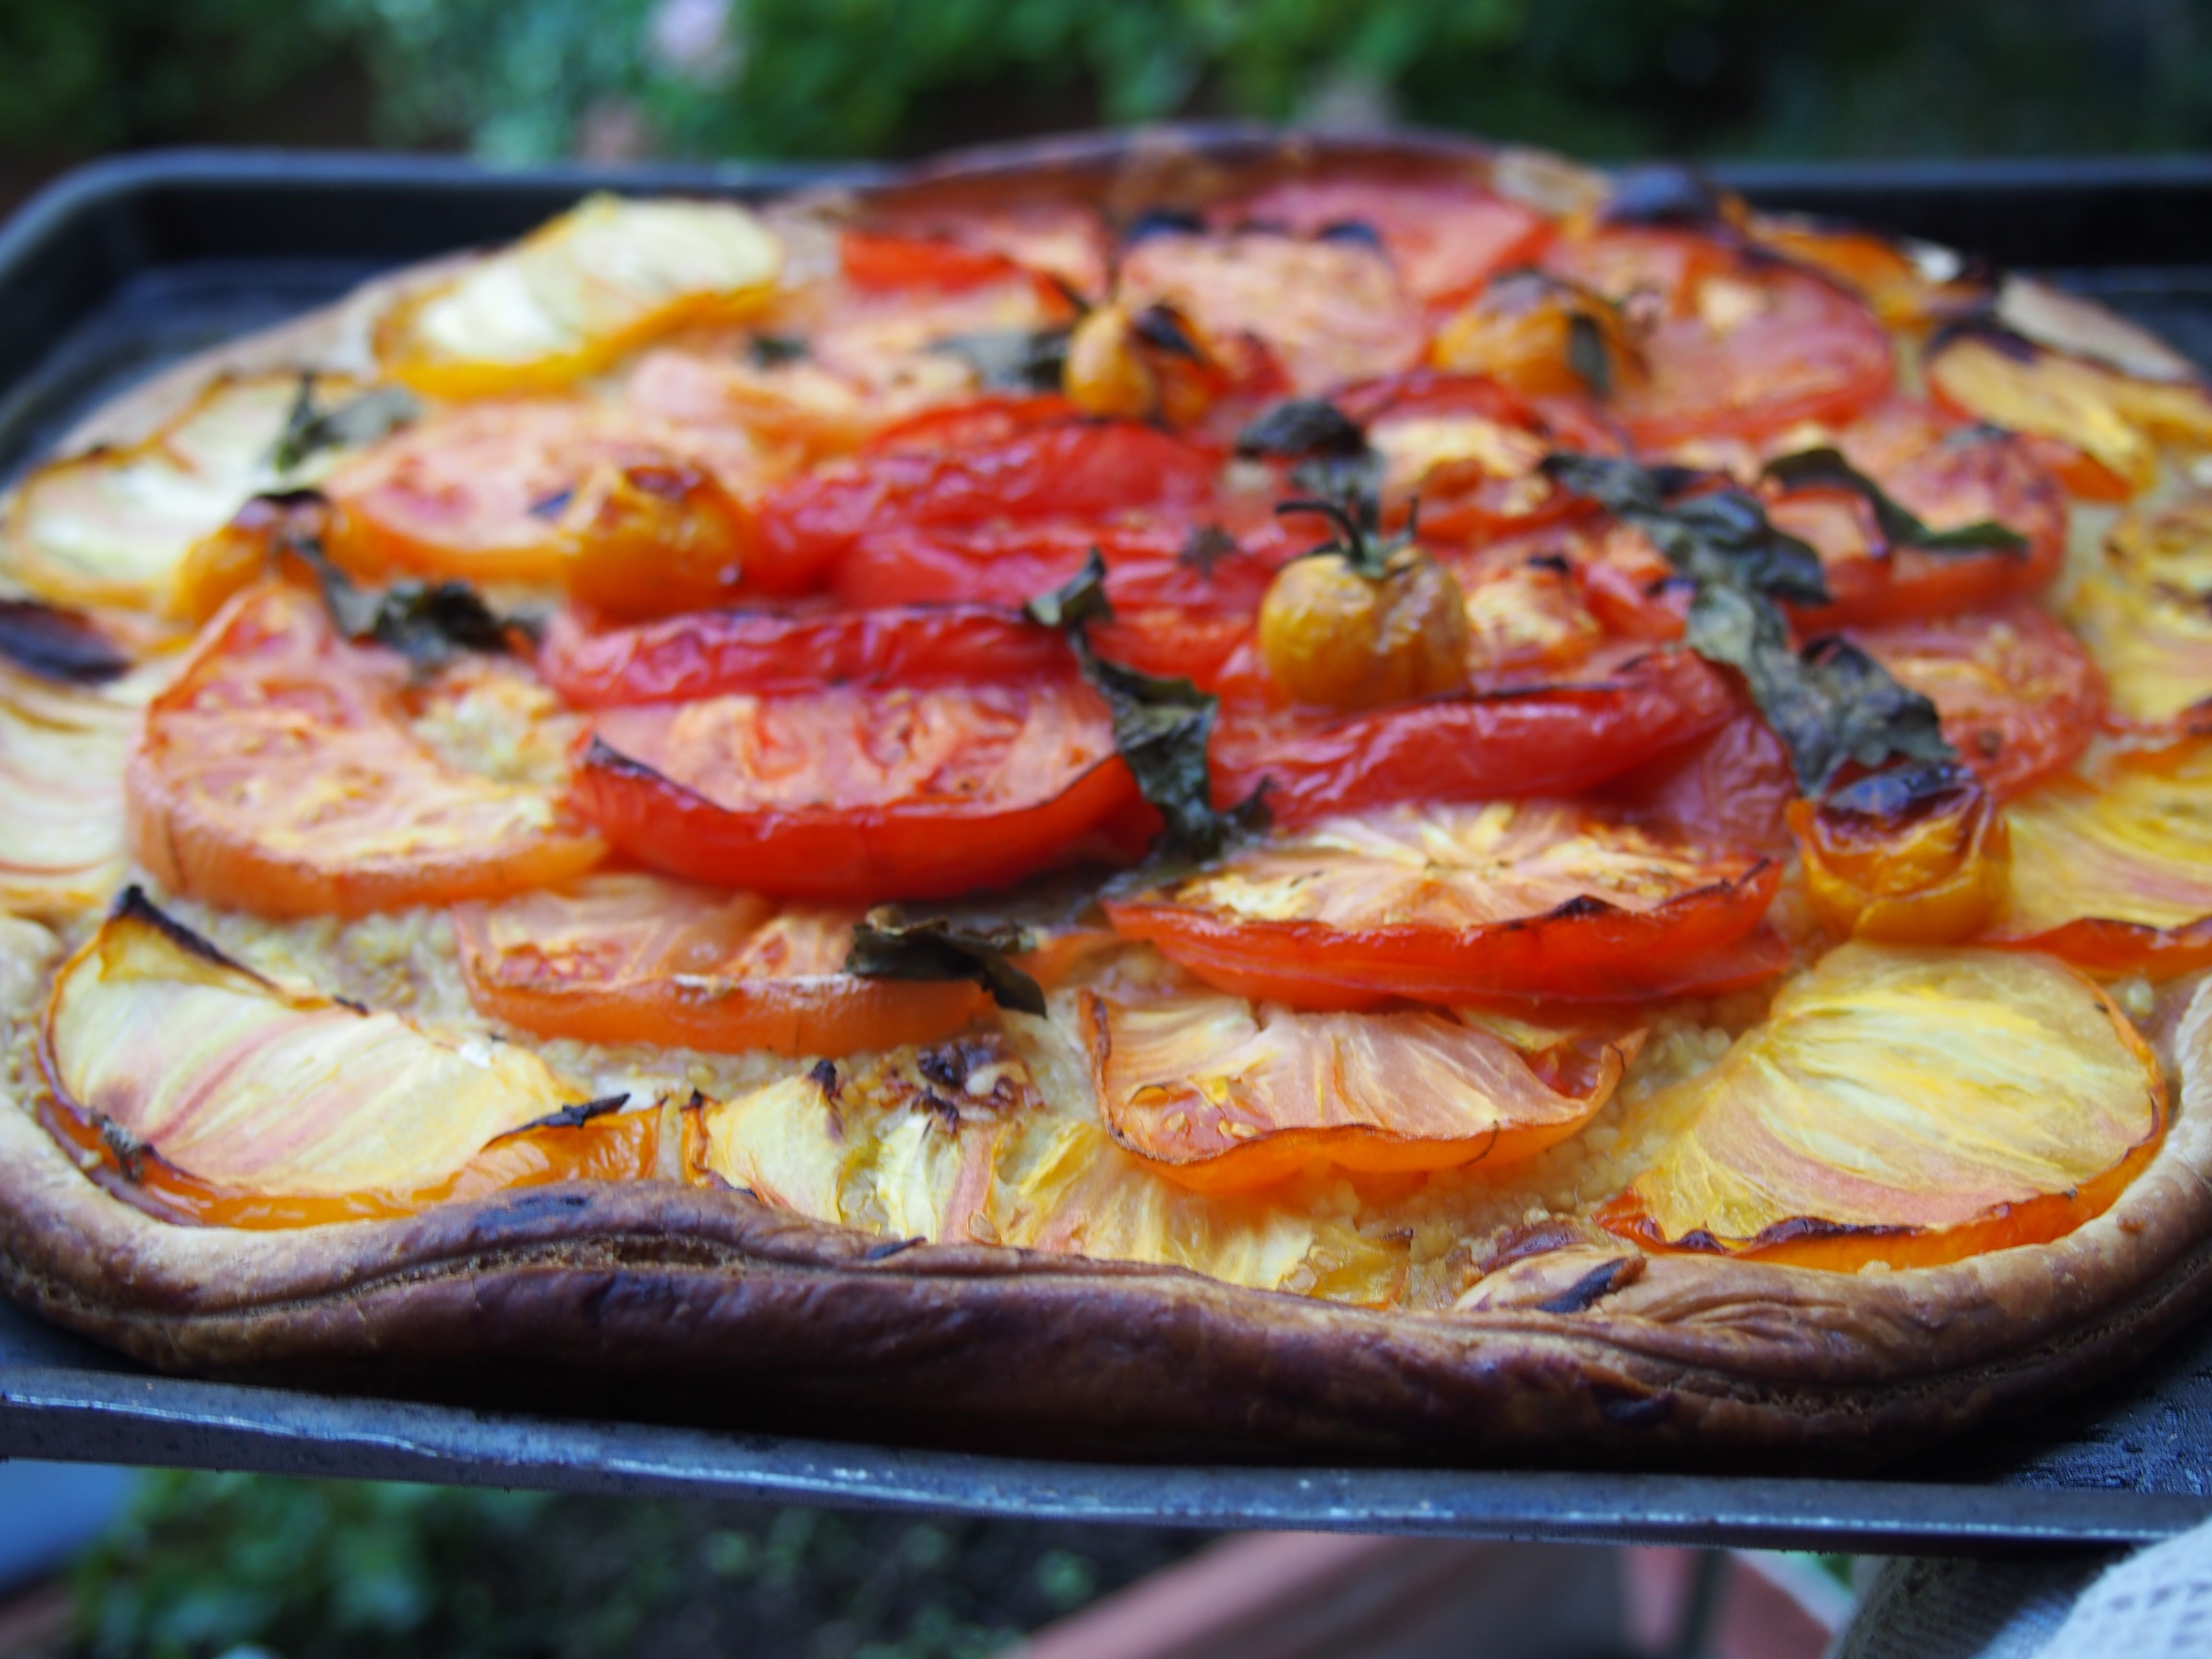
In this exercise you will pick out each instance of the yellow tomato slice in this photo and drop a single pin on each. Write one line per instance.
(277, 776)
(1222, 1096)
(633, 958)
(956, 1145)
(2114, 872)
(239, 1081)
(2143, 612)
(115, 526)
(1905, 1106)
(574, 295)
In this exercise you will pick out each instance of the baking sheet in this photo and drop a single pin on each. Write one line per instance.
(127, 266)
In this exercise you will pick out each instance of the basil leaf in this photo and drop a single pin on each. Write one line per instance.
(886, 945)
(1900, 526)
(1160, 727)
(428, 623)
(1205, 547)
(1011, 359)
(1586, 354)
(1721, 535)
(1300, 427)
(358, 421)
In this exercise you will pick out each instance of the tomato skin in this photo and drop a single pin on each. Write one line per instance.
(1087, 470)
(880, 263)
(974, 421)
(859, 796)
(1009, 564)
(1579, 952)
(1544, 740)
(710, 654)
(2020, 697)
(1742, 347)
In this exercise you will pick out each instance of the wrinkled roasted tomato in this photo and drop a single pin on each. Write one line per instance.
(1855, 1125)
(1537, 899)
(1222, 1097)
(1916, 855)
(2143, 612)
(857, 795)
(277, 775)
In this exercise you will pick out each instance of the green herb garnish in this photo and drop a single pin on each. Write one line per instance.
(1900, 526)
(309, 429)
(887, 946)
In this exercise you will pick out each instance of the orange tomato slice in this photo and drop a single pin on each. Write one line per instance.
(1909, 1106)
(277, 775)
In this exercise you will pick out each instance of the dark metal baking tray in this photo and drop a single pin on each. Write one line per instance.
(128, 265)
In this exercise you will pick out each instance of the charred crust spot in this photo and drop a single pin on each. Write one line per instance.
(575, 1116)
(1594, 1285)
(128, 1150)
(1580, 908)
(1517, 1243)
(1161, 222)
(888, 1248)
(347, 1002)
(55, 644)
(1631, 1408)
(1664, 194)
(823, 1076)
(1162, 328)
(946, 1113)
(131, 904)
(1554, 562)
(950, 1065)
(1357, 232)
(552, 505)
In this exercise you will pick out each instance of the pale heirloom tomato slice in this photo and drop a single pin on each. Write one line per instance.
(259, 1087)
(1223, 1096)
(2143, 611)
(1537, 739)
(1948, 477)
(2113, 872)
(2018, 697)
(1732, 344)
(577, 293)
(1451, 904)
(856, 794)
(1329, 310)
(117, 526)
(1083, 471)
(62, 749)
(2116, 419)
(1910, 1107)
(957, 1144)
(277, 775)
(710, 652)
(634, 958)
(1445, 236)
(1467, 450)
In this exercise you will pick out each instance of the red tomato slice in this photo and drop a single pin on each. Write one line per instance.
(1445, 236)
(1449, 904)
(1947, 475)
(1468, 449)
(2020, 697)
(1555, 739)
(857, 795)
(1736, 346)
(712, 653)
(1085, 470)
(975, 421)
(632, 959)
(275, 776)
(1058, 238)
(1733, 788)
(879, 263)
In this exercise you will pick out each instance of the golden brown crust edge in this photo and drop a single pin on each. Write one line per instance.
(706, 1305)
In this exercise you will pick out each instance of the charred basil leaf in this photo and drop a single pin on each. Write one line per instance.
(1715, 536)
(359, 419)
(1205, 547)
(1014, 359)
(1300, 428)
(1161, 222)
(1831, 703)
(1165, 329)
(1900, 526)
(577, 1116)
(774, 350)
(429, 623)
(1665, 194)
(1160, 727)
(887, 946)
(1586, 354)
(58, 645)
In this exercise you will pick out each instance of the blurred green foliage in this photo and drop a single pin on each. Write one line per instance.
(832, 77)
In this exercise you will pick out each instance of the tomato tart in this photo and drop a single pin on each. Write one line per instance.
(1297, 797)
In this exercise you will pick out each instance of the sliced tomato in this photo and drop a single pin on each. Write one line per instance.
(277, 775)
(2143, 612)
(2113, 872)
(1085, 470)
(857, 795)
(633, 958)
(1733, 345)
(1467, 450)
(1219, 1096)
(1050, 234)
(1906, 1107)
(880, 263)
(2018, 697)
(1449, 904)
(710, 654)
(1328, 311)
(1948, 476)
(1733, 788)
(63, 751)
(1445, 236)
(974, 421)
(1547, 739)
